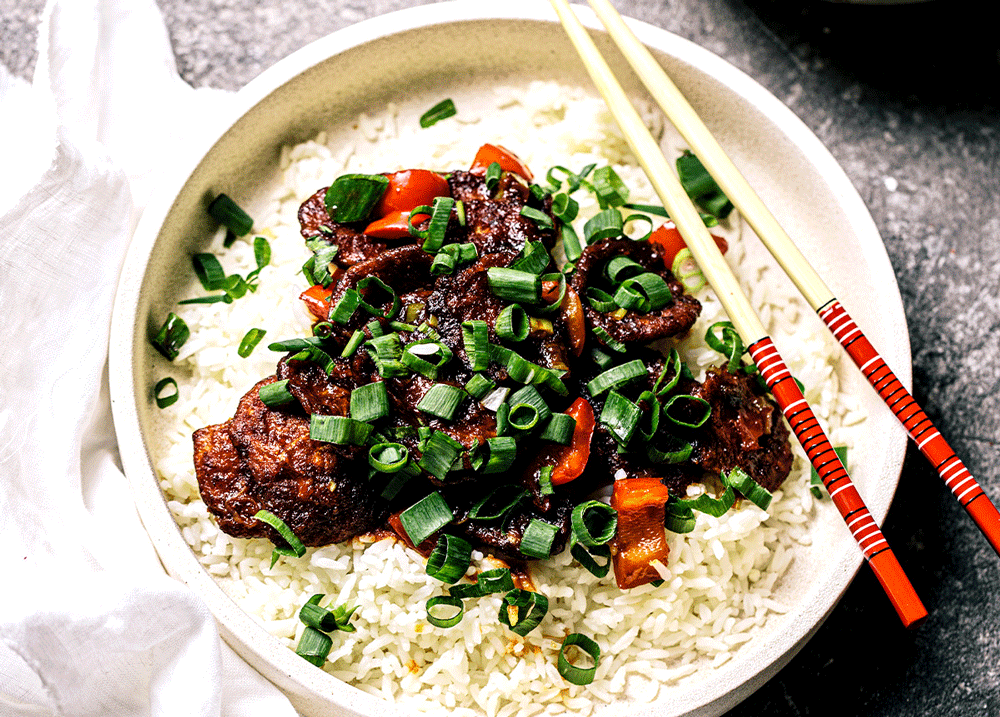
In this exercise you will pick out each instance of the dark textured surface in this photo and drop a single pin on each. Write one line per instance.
(907, 98)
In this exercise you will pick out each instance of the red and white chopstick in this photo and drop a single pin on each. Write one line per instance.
(927, 438)
(787, 394)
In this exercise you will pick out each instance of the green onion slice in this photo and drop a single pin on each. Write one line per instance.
(728, 343)
(542, 220)
(616, 377)
(534, 258)
(249, 342)
(620, 268)
(522, 610)
(478, 386)
(339, 430)
(388, 457)
(537, 540)
(276, 394)
(606, 224)
(451, 558)
(594, 523)
(585, 557)
(425, 517)
(678, 518)
(601, 300)
(370, 402)
(442, 110)
(163, 401)
(701, 187)
(573, 180)
(698, 408)
(476, 338)
(514, 285)
(496, 580)
(426, 357)
(171, 336)
(352, 197)
(440, 451)
(493, 173)
(496, 455)
(294, 547)
(678, 451)
(572, 673)
(522, 416)
(209, 271)
(645, 292)
(559, 429)
(228, 213)
(620, 416)
(545, 486)
(529, 395)
(438, 620)
(570, 242)
(564, 207)
(314, 646)
(638, 218)
(394, 301)
(752, 490)
(609, 188)
(441, 400)
(673, 366)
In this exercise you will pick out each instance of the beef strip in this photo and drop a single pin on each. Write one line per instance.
(263, 458)
(674, 319)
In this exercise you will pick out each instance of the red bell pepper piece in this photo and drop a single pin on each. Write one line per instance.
(508, 161)
(572, 459)
(641, 538)
(669, 241)
(409, 188)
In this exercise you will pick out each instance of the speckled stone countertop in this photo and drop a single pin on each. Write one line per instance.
(907, 98)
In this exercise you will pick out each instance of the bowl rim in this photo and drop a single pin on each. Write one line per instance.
(266, 652)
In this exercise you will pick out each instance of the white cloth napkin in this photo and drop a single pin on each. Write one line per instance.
(89, 622)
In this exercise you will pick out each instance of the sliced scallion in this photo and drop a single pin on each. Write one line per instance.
(426, 357)
(608, 340)
(620, 416)
(352, 197)
(228, 213)
(249, 342)
(339, 430)
(523, 610)
(815, 482)
(294, 545)
(478, 386)
(439, 454)
(163, 401)
(498, 502)
(542, 220)
(434, 616)
(559, 429)
(692, 415)
(495, 455)
(388, 457)
(609, 188)
(606, 224)
(314, 646)
(534, 258)
(425, 517)
(476, 338)
(537, 539)
(515, 286)
(752, 490)
(442, 110)
(451, 558)
(571, 673)
(441, 400)
(171, 336)
(593, 523)
(370, 402)
(512, 323)
(616, 377)
(276, 394)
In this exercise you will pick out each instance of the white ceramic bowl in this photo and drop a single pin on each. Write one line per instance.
(461, 49)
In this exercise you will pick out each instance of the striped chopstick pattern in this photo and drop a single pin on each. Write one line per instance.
(817, 446)
(920, 428)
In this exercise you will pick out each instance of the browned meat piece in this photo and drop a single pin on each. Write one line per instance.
(494, 221)
(673, 319)
(745, 430)
(263, 458)
(466, 295)
(353, 247)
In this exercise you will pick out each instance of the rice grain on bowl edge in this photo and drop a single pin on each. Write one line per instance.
(721, 584)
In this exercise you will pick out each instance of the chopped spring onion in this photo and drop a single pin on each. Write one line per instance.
(441, 400)
(616, 377)
(445, 260)
(571, 673)
(345, 307)
(388, 457)
(325, 619)
(171, 336)
(352, 197)
(514, 285)
(678, 518)
(370, 402)
(440, 451)
(426, 357)
(542, 220)
(353, 344)
(536, 542)
(693, 415)
(678, 451)
(209, 271)
(512, 323)
(249, 342)
(442, 110)
(318, 265)
(496, 580)
(594, 523)
(570, 242)
(673, 365)
(493, 173)
(433, 235)
(585, 556)
(606, 224)
(559, 429)
(522, 417)
(620, 268)
(339, 430)
(276, 394)
(294, 547)
(564, 207)
(534, 258)
(394, 301)
(701, 187)
(496, 455)
(608, 340)
(716, 507)
(425, 517)
(601, 300)
(228, 213)
(728, 343)
(609, 188)
(815, 482)
(529, 395)
(573, 180)
(522, 610)
(476, 338)
(603, 359)
(686, 270)
(523, 371)
(645, 292)
(436, 619)
(478, 386)
(163, 401)
(752, 490)
(314, 646)
(451, 558)
(498, 502)
(545, 486)
(638, 218)
(620, 416)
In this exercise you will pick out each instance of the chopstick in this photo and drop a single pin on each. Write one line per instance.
(807, 430)
(928, 439)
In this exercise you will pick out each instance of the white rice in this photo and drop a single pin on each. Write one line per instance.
(720, 583)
